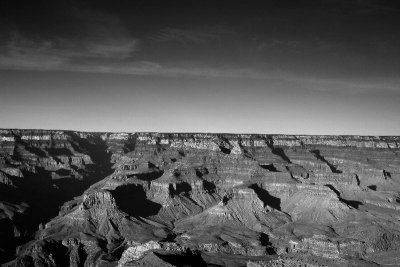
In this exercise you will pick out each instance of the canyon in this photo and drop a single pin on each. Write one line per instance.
(71, 198)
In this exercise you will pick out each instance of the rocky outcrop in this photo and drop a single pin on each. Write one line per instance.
(136, 252)
(159, 199)
(39, 171)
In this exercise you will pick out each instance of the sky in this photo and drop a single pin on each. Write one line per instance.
(290, 67)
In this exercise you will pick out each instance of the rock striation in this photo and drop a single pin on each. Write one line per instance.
(161, 199)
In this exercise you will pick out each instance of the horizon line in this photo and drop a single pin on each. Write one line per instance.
(173, 132)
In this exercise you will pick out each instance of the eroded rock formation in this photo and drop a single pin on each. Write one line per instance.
(154, 199)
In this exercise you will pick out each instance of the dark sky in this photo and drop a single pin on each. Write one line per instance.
(312, 67)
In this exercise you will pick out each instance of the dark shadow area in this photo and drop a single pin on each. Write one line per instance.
(34, 150)
(353, 203)
(130, 145)
(387, 174)
(11, 194)
(115, 252)
(97, 149)
(184, 188)
(209, 186)
(246, 152)
(177, 173)
(151, 165)
(200, 172)
(269, 167)
(9, 238)
(54, 152)
(129, 167)
(277, 151)
(148, 176)
(264, 239)
(372, 187)
(357, 179)
(225, 150)
(132, 200)
(281, 153)
(318, 155)
(170, 237)
(222, 143)
(266, 198)
(44, 195)
(180, 188)
(225, 199)
(333, 189)
(58, 252)
(186, 259)
(63, 172)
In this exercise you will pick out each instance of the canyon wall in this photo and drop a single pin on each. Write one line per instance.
(167, 199)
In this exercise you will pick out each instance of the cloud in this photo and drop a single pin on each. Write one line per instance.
(21, 52)
(183, 37)
(44, 56)
(114, 56)
(112, 48)
(82, 34)
(264, 45)
(188, 37)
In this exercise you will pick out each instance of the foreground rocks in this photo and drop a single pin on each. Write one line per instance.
(152, 199)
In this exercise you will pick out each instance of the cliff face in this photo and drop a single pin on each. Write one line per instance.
(71, 198)
(39, 171)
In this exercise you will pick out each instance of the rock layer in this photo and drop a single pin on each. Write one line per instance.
(143, 199)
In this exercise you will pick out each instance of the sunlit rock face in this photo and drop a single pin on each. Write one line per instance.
(158, 199)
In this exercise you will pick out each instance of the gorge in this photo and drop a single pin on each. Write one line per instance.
(72, 198)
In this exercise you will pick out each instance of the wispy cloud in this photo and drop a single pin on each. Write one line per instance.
(113, 49)
(116, 56)
(22, 49)
(188, 37)
(84, 35)
(44, 56)
(182, 36)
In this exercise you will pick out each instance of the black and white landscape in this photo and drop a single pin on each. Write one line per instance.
(200, 133)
